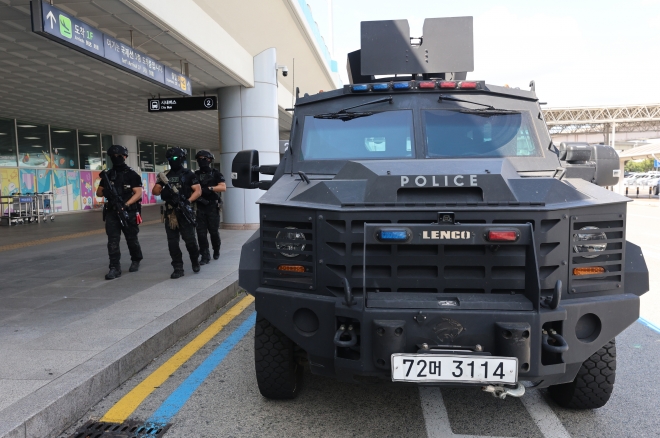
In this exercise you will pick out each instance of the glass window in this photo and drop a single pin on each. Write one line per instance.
(106, 142)
(381, 135)
(33, 145)
(189, 158)
(64, 148)
(7, 143)
(193, 161)
(89, 146)
(146, 156)
(159, 157)
(453, 133)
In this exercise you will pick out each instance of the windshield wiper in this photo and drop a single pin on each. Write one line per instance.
(344, 115)
(490, 110)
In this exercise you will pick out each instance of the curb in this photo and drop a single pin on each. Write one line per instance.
(59, 404)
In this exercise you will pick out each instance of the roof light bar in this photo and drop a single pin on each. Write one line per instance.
(467, 85)
(502, 235)
(380, 87)
(427, 84)
(401, 85)
(447, 84)
(359, 87)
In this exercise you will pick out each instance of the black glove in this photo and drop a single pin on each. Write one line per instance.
(167, 194)
(185, 202)
(207, 191)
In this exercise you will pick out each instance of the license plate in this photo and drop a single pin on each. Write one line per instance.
(453, 368)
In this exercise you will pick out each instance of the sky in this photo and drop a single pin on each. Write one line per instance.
(579, 53)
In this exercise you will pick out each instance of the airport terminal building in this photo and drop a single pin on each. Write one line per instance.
(79, 76)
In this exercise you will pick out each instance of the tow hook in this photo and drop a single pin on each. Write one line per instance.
(553, 342)
(341, 332)
(501, 391)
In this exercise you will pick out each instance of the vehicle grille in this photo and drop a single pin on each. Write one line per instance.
(612, 259)
(438, 269)
(272, 258)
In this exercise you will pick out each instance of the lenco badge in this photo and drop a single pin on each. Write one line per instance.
(447, 235)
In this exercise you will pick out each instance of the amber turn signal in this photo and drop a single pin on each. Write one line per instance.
(291, 268)
(588, 270)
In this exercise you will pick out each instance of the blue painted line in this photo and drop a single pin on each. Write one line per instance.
(649, 324)
(173, 404)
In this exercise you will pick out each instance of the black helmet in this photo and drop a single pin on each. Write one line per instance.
(176, 152)
(204, 154)
(117, 149)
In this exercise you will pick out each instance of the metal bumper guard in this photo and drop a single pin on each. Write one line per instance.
(383, 323)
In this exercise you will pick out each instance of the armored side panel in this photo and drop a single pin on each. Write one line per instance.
(446, 46)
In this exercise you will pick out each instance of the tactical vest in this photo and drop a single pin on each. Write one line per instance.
(122, 183)
(208, 180)
(179, 179)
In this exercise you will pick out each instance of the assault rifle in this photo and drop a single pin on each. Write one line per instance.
(110, 192)
(183, 208)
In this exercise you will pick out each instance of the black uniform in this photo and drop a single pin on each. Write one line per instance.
(182, 179)
(208, 215)
(124, 179)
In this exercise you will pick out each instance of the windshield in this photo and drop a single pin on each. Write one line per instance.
(386, 134)
(451, 133)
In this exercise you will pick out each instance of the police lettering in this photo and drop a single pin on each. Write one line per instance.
(439, 181)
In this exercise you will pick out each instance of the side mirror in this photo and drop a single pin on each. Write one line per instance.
(607, 165)
(598, 164)
(245, 170)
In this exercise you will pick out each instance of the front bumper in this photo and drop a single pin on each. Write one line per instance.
(312, 321)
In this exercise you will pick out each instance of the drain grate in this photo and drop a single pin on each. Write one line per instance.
(127, 429)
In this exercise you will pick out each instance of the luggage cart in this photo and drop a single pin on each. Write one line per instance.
(45, 203)
(26, 204)
(17, 210)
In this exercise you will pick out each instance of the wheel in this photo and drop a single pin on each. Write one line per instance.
(279, 375)
(593, 384)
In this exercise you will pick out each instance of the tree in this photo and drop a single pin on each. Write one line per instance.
(639, 166)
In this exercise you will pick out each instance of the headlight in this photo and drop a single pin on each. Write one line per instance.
(283, 242)
(588, 242)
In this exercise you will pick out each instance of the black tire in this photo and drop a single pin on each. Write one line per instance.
(279, 375)
(593, 384)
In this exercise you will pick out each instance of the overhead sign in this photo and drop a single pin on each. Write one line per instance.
(183, 104)
(61, 27)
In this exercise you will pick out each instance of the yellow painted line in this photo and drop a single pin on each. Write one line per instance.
(130, 402)
(60, 238)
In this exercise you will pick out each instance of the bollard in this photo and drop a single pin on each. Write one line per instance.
(650, 188)
(637, 192)
(626, 190)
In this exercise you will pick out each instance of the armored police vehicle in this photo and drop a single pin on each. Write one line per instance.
(424, 228)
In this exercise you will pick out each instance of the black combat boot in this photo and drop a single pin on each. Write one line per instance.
(216, 254)
(196, 267)
(205, 258)
(135, 266)
(115, 272)
(178, 272)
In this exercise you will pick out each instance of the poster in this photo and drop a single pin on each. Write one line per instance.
(28, 179)
(152, 183)
(9, 181)
(145, 185)
(73, 189)
(9, 185)
(61, 198)
(44, 184)
(96, 180)
(38, 158)
(86, 190)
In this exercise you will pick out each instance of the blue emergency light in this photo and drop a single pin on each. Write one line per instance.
(380, 87)
(401, 85)
(392, 234)
(360, 87)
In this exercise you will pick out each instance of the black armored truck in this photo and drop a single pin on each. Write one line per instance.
(423, 227)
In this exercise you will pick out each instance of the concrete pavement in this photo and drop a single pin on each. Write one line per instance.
(68, 337)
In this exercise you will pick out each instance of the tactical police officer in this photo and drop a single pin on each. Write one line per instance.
(179, 187)
(208, 206)
(122, 187)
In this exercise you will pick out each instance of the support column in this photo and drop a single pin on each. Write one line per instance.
(248, 119)
(130, 143)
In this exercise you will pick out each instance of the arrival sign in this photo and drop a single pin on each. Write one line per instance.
(65, 29)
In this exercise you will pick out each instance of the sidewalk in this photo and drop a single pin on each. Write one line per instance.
(68, 337)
